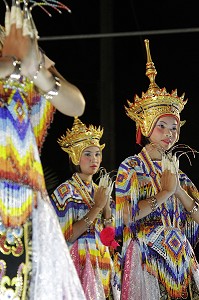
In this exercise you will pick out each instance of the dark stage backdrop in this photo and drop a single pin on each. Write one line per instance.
(100, 48)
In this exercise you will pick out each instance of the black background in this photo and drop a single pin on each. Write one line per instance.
(100, 48)
(73, 41)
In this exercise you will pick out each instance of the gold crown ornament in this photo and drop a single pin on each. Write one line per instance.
(79, 138)
(145, 111)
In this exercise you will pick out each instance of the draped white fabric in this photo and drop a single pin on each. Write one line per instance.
(54, 275)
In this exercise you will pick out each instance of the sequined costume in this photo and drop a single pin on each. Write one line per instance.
(157, 256)
(72, 200)
(32, 248)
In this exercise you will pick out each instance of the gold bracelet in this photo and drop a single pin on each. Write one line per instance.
(54, 92)
(109, 220)
(194, 209)
(88, 222)
(153, 203)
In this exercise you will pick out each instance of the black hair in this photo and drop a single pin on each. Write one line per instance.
(144, 141)
(74, 168)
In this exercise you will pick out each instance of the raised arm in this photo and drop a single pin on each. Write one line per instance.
(20, 55)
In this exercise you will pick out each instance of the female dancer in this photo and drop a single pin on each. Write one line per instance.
(32, 248)
(157, 213)
(84, 209)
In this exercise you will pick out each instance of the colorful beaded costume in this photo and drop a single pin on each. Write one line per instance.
(160, 243)
(72, 200)
(157, 260)
(32, 247)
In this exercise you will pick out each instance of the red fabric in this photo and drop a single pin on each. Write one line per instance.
(107, 237)
(139, 136)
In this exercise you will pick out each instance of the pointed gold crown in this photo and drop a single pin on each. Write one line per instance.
(79, 138)
(156, 102)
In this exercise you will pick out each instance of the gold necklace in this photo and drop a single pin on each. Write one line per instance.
(83, 190)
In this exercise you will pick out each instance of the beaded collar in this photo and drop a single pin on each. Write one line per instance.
(85, 189)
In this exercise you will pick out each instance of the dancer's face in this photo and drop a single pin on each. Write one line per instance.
(165, 132)
(90, 160)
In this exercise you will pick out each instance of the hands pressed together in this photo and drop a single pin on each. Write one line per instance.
(103, 194)
(169, 182)
(21, 39)
(171, 185)
(102, 203)
(20, 55)
(101, 197)
(170, 179)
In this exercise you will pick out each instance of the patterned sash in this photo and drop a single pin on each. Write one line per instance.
(83, 190)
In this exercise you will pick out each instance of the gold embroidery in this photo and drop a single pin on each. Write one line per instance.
(11, 240)
(12, 288)
(16, 287)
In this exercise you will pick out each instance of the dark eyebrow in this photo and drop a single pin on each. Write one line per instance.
(166, 122)
(88, 151)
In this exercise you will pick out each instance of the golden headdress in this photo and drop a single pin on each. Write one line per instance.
(156, 102)
(79, 138)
